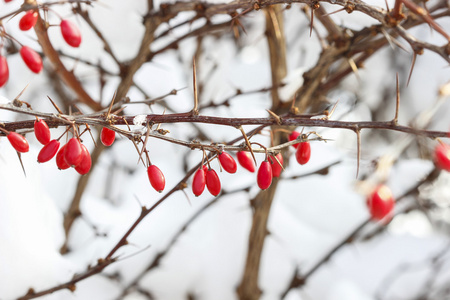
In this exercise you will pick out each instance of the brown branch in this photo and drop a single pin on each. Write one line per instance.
(299, 280)
(68, 77)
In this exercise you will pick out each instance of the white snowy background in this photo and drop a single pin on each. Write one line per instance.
(309, 216)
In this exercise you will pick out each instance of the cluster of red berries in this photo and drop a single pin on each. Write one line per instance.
(271, 167)
(73, 154)
(31, 58)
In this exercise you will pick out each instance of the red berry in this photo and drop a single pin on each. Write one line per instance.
(264, 177)
(156, 178)
(41, 131)
(31, 58)
(48, 151)
(107, 136)
(19, 142)
(73, 153)
(199, 182)
(228, 163)
(60, 160)
(6, 1)
(380, 202)
(303, 153)
(4, 71)
(28, 20)
(442, 156)
(85, 165)
(246, 161)
(70, 33)
(213, 182)
(276, 168)
(293, 136)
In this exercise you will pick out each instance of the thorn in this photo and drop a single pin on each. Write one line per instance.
(249, 146)
(412, 67)
(187, 197)
(280, 164)
(145, 141)
(111, 104)
(116, 112)
(334, 12)
(330, 113)
(397, 104)
(21, 92)
(277, 118)
(21, 163)
(195, 109)
(354, 67)
(54, 105)
(358, 148)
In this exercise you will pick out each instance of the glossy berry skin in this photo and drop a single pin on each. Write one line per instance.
(18, 141)
(85, 165)
(42, 132)
(31, 58)
(4, 71)
(156, 178)
(213, 182)
(264, 177)
(442, 156)
(107, 136)
(293, 136)
(276, 168)
(73, 154)
(228, 163)
(380, 203)
(70, 33)
(48, 151)
(28, 20)
(199, 182)
(246, 161)
(303, 153)
(60, 160)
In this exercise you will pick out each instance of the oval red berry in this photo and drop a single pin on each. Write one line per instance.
(293, 136)
(60, 160)
(31, 58)
(156, 178)
(264, 177)
(213, 182)
(48, 151)
(276, 167)
(41, 131)
(4, 71)
(380, 203)
(228, 163)
(19, 142)
(73, 152)
(107, 136)
(303, 153)
(199, 182)
(28, 20)
(442, 156)
(246, 161)
(85, 165)
(70, 33)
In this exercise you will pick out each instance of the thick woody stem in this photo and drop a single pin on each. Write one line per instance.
(248, 289)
